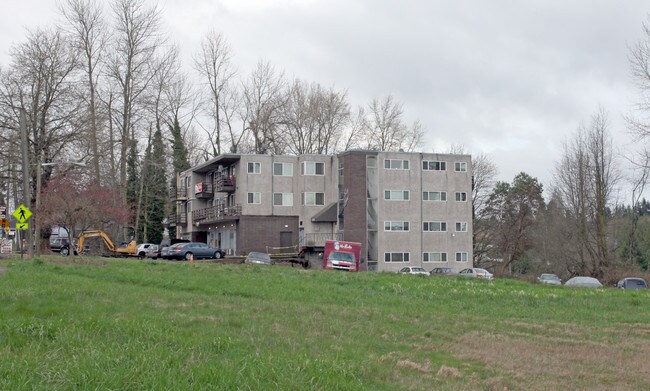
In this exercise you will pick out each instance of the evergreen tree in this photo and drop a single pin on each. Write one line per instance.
(156, 190)
(179, 151)
(512, 210)
(133, 179)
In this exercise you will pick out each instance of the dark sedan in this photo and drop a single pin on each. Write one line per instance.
(257, 258)
(192, 250)
(443, 271)
(632, 283)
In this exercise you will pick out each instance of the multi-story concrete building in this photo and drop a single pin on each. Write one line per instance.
(405, 208)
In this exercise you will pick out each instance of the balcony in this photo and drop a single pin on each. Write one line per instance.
(216, 214)
(204, 189)
(177, 193)
(177, 219)
(224, 183)
(318, 239)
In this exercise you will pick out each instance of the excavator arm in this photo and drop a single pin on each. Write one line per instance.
(130, 249)
(94, 234)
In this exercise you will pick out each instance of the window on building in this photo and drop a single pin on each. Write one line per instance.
(396, 257)
(430, 165)
(283, 169)
(434, 257)
(311, 198)
(460, 166)
(434, 196)
(434, 226)
(461, 226)
(462, 257)
(461, 196)
(254, 198)
(396, 225)
(396, 195)
(313, 168)
(283, 199)
(254, 167)
(396, 164)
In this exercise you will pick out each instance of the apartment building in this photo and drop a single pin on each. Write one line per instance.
(405, 208)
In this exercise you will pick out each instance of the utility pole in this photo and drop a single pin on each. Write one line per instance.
(25, 154)
(37, 219)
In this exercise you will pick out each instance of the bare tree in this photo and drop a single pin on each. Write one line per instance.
(385, 129)
(135, 41)
(314, 118)
(264, 100)
(87, 31)
(484, 173)
(162, 101)
(639, 58)
(639, 126)
(236, 116)
(214, 65)
(585, 179)
(352, 137)
(638, 181)
(41, 82)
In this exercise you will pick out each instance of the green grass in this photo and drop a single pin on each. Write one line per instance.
(130, 325)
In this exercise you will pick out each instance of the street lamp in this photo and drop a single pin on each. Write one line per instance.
(37, 228)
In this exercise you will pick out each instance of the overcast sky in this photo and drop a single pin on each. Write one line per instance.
(507, 78)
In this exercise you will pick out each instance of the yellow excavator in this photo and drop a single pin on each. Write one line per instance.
(130, 249)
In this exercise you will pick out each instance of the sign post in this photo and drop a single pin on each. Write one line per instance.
(22, 214)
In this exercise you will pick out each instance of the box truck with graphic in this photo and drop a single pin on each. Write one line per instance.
(342, 255)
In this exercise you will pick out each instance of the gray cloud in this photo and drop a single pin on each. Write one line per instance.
(512, 79)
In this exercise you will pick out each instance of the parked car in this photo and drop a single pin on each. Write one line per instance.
(632, 283)
(163, 247)
(477, 273)
(60, 245)
(583, 282)
(193, 250)
(257, 258)
(443, 271)
(141, 250)
(413, 270)
(548, 278)
(152, 252)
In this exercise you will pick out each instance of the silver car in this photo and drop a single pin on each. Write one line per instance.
(548, 278)
(476, 272)
(583, 282)
(413, 270)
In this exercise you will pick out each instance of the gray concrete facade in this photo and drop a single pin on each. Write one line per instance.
(407, 209)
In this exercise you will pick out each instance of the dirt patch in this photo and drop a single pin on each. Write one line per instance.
(424, 367)
(446, 371)
(2, 269)
(549, 362)
(79, 260)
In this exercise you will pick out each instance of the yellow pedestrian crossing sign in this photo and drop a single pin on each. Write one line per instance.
(22, 213)
(23, 226)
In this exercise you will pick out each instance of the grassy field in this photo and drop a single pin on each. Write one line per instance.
(112, 324)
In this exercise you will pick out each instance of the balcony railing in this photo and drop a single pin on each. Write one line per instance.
(177, 193)
(177, 219)
(318, 239)
(225, 183)
(204, 189)
(216, 213)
